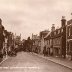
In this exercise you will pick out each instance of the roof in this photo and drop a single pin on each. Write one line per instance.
(47, 35)
(43, 33)
(69, 22)
(53, 35)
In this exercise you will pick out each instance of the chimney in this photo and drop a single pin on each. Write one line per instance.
(32, 35)
(71, 15)
(53, 27)
(63, 21)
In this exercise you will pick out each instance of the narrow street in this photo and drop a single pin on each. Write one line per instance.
(28, 62)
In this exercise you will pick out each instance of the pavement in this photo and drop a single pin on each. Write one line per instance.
(64, 62)
(4, 59)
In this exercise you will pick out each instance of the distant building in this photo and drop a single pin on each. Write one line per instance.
(23, 40)
(36, 43)
(42, 35)
(17, 39)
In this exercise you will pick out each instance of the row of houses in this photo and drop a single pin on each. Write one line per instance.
(8, 40)
(58, 42)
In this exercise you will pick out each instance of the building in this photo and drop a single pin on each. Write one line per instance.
(49, 40)
(48, 43)
(17, 39)
(56, 40)
(42, 35)
(59, 40)
(36, 43)
(69, 37)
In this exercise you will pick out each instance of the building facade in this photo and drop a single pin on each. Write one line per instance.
(36, 43)
(56, 40)
(42, 35)
(48, 43)
(69, 37)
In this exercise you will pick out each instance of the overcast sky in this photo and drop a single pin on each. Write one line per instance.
(32, 16)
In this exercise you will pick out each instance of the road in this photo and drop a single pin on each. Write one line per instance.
(28, 62)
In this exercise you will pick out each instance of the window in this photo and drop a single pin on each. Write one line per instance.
(69, 31)
(47, 42)
(50, 41)
(54, 33)
(61, 30)
(54, 41)
(58, 31)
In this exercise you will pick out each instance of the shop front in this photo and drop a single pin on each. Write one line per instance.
(57, 51)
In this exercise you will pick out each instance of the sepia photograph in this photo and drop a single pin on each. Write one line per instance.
(35, 35)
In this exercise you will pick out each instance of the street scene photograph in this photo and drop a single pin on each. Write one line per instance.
(35, 35)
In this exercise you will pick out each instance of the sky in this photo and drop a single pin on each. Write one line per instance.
(32, 16)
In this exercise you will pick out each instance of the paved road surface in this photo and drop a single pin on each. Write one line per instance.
(28, 62)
